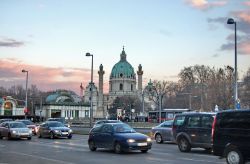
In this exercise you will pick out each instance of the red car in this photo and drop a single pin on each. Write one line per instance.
(30, 125)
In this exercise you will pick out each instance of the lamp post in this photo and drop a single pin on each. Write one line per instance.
(26, 93)
(231, 21)
(91, 90)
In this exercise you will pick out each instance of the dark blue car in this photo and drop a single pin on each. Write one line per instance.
(119, 137)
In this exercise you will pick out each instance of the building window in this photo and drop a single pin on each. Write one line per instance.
(121, 75)
(86, 113)
(121, 87)
(131, 87)
(77, 113)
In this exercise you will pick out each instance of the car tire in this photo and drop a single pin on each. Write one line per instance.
(69, 137)
(9, 136)
(29, 138)
(51, 135)
(1, 137)
(144, 151)
(92, 146)
(184, 145)
(233, 156)
(158, 138)
(39, 134)
(117, 148)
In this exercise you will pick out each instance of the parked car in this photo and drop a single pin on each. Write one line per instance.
(192, 130)
(54, 129)
(100, 122)
(5, 119)
(30, 125)
(118, 137)
(13, 129)
(163, 132)
(231, 135)
(60, 119)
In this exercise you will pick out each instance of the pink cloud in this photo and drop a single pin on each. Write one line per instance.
(244, 16)
(45, 78)
(244, 47)
(205, 4)
(247, 3)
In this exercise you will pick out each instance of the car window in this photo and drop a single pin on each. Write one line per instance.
(123, 128)
(55, 124)
(193, 122)
(179, 120)
(17, 125)
(167, 124)
(106, 129)
(235, 120)
(207, 121)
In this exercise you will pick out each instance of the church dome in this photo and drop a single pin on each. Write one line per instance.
(123, 68)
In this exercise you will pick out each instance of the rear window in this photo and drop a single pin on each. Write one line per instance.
(234, 120)
(179, 120)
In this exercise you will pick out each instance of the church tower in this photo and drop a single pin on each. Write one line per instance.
(140, 73)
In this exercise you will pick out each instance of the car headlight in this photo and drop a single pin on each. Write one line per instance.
(56, 131)
(14, 132)
(149, 140)
(70, 131)
(30, 131)
(130, 140)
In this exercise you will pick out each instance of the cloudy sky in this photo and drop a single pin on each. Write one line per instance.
(49, 38)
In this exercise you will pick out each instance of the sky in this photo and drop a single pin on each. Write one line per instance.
(49, 38)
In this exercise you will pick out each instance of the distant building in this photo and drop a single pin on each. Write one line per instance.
(11, 107)
(122, 82)
(63, 103)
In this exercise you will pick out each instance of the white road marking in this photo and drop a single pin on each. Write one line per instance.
(40, 157)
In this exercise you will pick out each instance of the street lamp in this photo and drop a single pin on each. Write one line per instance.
(91, 90)
(231, 21)
(26, 90)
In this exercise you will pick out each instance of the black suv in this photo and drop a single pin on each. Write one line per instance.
(192, 130)
(231, 135)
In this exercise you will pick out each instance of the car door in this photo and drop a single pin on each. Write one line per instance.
(44, 130)
(193, 129)
(106, 136)
(206, 130)
(3, 129)
(166, 130)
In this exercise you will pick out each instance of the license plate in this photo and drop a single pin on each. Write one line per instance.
(24, 134)
(64, 133)
(142, 144)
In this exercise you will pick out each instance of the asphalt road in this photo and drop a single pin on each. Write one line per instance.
(75, 150)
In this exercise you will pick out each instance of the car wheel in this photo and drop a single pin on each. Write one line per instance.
(117, 148)
(92, 146)
(158, 138)
(29, 138)
(144, 151)
(1, 137)
(39, 135)
(184, 145)
(234, 156)
(51, 136)
(69, 137)
(9, 136)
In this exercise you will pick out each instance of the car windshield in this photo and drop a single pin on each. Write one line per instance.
(27, 122)
(55, 124)
(123, 128)
(17, 125)
(56, 119)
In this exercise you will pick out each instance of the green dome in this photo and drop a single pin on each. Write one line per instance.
(122, 69)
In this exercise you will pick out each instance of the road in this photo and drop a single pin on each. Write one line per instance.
(75, 151)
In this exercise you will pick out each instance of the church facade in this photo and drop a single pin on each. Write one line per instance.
(122, 82)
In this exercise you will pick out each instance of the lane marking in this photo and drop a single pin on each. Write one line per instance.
(44, 158)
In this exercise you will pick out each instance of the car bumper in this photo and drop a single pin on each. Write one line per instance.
(25, 135)
(62, 135)
(137, 146)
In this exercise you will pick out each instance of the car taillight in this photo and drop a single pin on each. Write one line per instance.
(213, 128)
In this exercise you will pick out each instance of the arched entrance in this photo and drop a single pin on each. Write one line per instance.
(8, 108)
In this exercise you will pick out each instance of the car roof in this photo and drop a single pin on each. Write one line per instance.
(234, 110)
(196, 113)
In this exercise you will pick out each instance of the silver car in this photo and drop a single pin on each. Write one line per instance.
(163, 132)
(14, 129)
